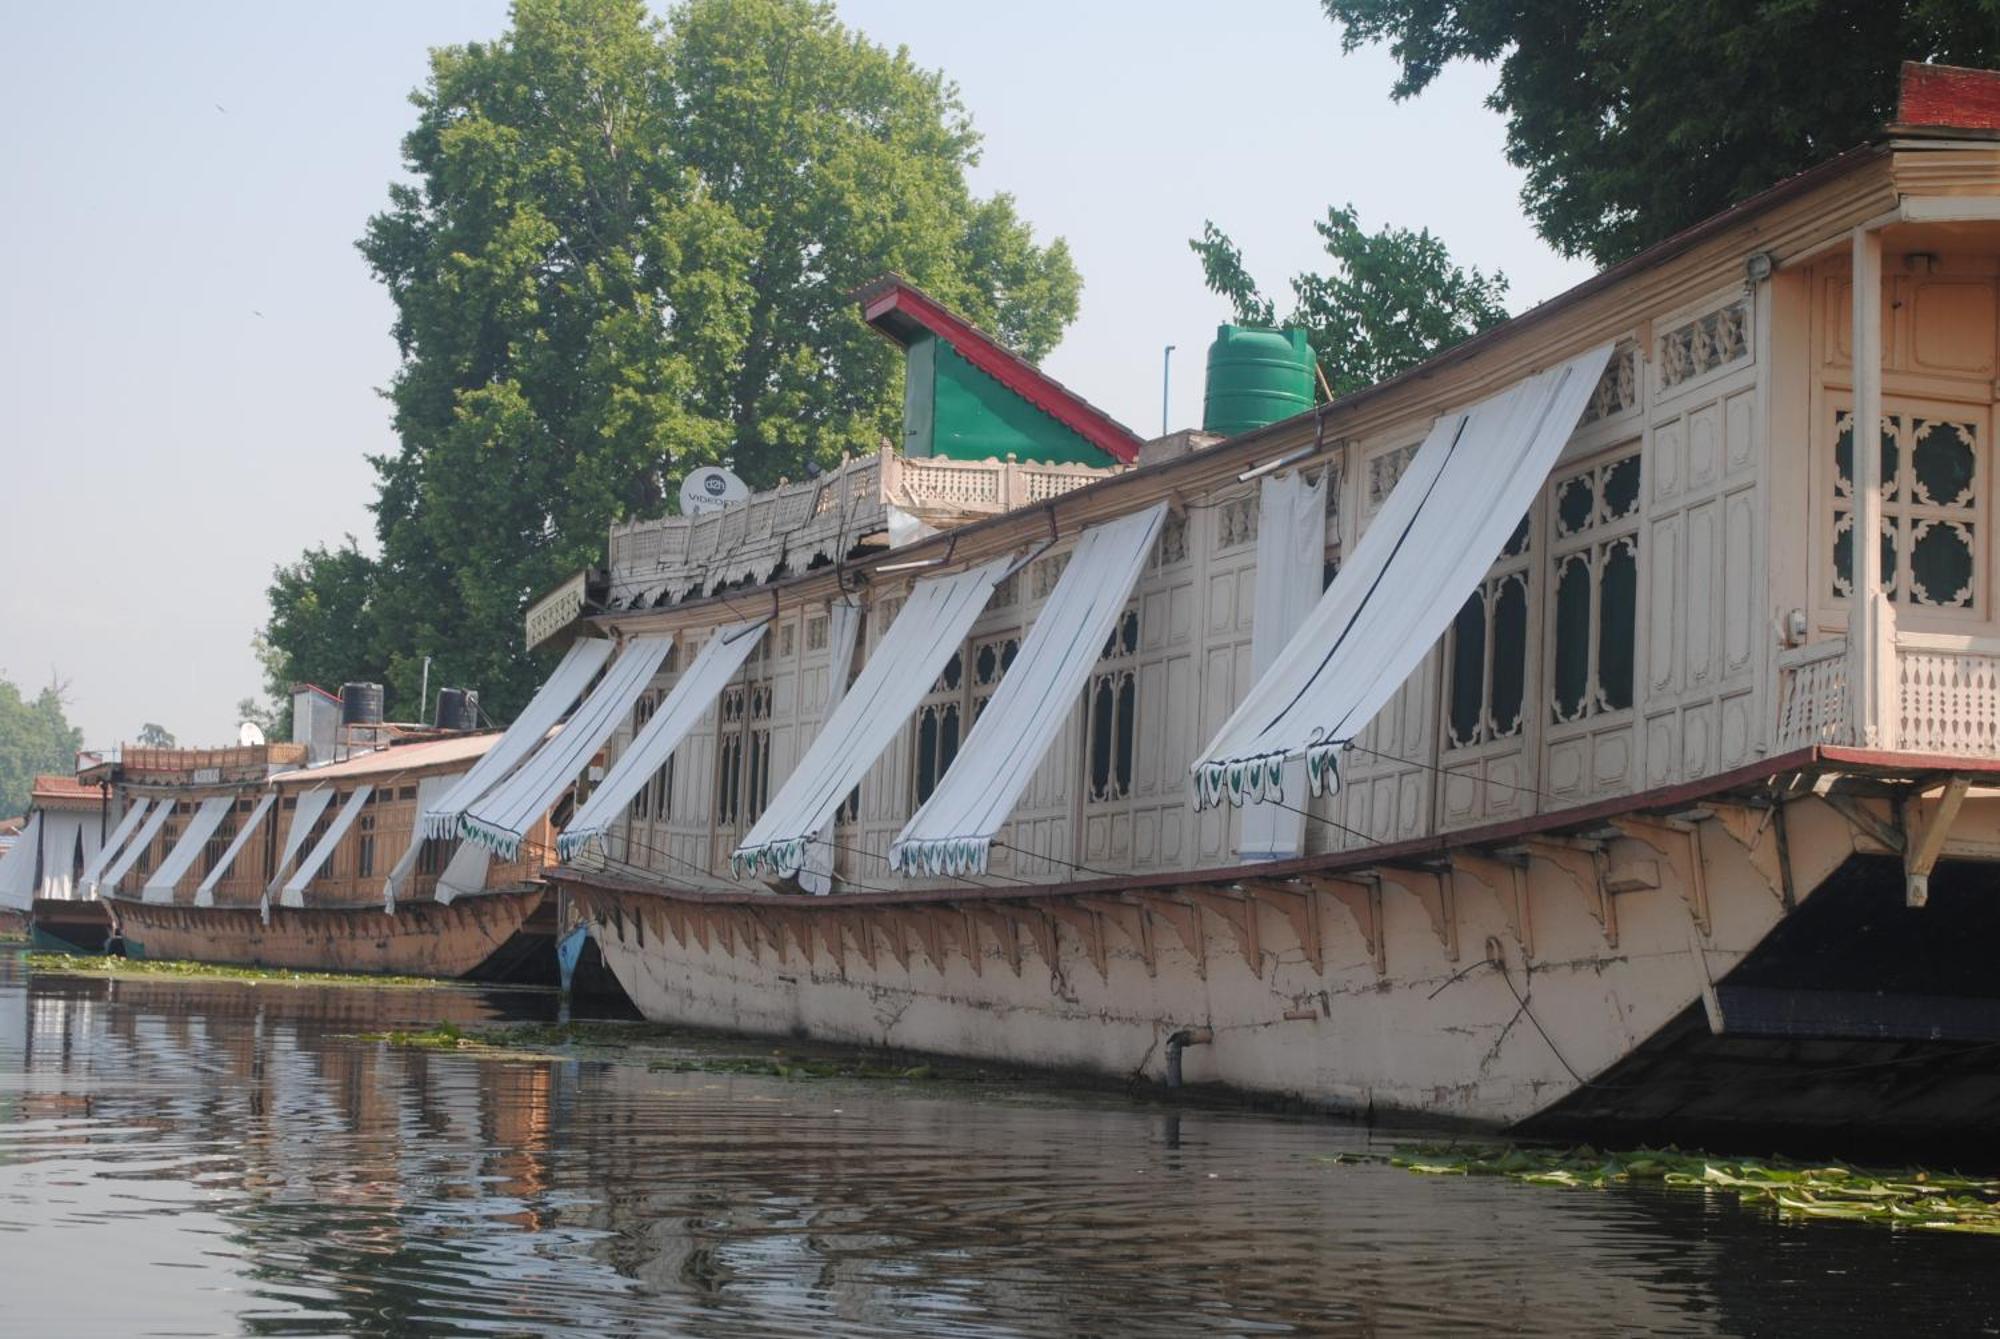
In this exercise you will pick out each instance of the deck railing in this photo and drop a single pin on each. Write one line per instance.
(1947, 695)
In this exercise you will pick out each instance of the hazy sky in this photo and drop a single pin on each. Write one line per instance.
(191, 349)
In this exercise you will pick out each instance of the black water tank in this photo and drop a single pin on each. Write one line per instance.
(361, 704)
(457, 709)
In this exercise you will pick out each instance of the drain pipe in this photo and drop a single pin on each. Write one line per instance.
(1180, 1041)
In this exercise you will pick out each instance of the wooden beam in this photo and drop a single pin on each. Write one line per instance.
(1751, 830)
(722, 926)
(676, 918)
(1679, 844)
(864, 938)
(1186, 924)
(1132, 922)
(767, 928)
(1005, 933)
(830, 934)
(892, 933)
(1922, 847)
(1239, 913)
(800, 924)
(922, 925)
(1507, 881)
(1581, 865)
(1042, 931)
(953, 926)
(1433, 893)
(1363, 900)
(1089, 927)
(1300, 908)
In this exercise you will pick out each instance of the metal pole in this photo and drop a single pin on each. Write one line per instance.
(1871, 622)
(1166, 382)
(424, 693)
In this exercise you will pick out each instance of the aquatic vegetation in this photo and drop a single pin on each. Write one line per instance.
(781, 1066)
(1909, 1198)
(73, 964)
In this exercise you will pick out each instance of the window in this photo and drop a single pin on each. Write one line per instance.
(990, 663)
(1488, 651)
(218, 842)
(1594, 559)
(743, 754)
(1111, 708)
(642, 711)
(939, 719)
(435, 854)
(364, 846)
(1931, 511)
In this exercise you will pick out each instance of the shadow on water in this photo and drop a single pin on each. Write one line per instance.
(189, 1157)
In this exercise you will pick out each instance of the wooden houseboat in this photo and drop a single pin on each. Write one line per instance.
(1585, 790)
(244, 856)
(43, 876)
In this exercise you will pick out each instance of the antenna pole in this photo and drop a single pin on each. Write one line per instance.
(1166, 382)
(424, 692)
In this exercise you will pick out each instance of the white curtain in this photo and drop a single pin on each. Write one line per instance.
(930, 626)
(699, 685)
(305, 812)
(141, 842)
(1291, 556)
(93, 869)
(204, 895)
(207, 818)
(429, 790)
(63, 831)
(309, 868)
(500, 818)
(844, 619)
(953, 832)
(464, 873)
(17, 867)
(583, 659)
(1433, 540)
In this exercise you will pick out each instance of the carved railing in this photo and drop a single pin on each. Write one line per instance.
(1947, 696)
(796, 524)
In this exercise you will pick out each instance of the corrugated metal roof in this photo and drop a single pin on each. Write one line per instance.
(462, 750)
(53, 790)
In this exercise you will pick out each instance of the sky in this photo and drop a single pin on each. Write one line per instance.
(192, 351)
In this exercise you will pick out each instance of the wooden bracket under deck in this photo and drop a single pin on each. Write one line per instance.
(953, 924)
(1433, 891)
(1679, 844)
(1239, 913)
(1186, 923)
(1922, 846)
(1300, 908)
(1507, 881)
(1132, 922)
(1363, 900)
(1752, 830)
(1004, 931)
(1582, 865)
(1088, 926)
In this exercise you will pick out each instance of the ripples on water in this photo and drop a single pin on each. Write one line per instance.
(193, 1158)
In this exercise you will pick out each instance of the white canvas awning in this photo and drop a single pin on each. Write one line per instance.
(141, 841)
(17, 867)
(953, 832)
(305, 813)
(930, 626)
(294, 894)
(1433, 540)
(464, 873)
(430, 790)
(500, 818)
(93, 869)
(63, 834)
(700, 684)
(844, 619)
(204, 895)
(160, 886)
(1291, 556)
(564, 685)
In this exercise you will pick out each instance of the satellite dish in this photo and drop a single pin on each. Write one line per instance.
(249, 734)
(710, 488)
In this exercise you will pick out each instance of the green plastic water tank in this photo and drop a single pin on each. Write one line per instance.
(1256, 376)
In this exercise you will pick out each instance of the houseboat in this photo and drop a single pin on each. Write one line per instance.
(1522, 741)
(257, 855)
(45, 874)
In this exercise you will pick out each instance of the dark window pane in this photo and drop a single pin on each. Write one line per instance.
(1468, 669)
(954, 671)
(947, 738)
(987, 666)
(1128, 629)
(1128, 708)
(1007, 654)
(1621, 489)
(1941, 564)
(1517, 543)
(1576, 502)
(1618, 608)
(1510, 655)
(1100, 738)
(1572, 676)
(1843, 456)
(1942, 460)
(1843, 556)
(926, 754)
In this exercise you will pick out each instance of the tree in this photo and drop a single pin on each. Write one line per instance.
(35, 736)
(626, 253)
(1634, 119)
(152, 735)
(1392, 299)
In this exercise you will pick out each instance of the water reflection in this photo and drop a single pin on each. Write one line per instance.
(181, 1157)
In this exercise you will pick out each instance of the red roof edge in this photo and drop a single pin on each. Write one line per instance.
(302, 687)
(1948, 95)
(891, 295)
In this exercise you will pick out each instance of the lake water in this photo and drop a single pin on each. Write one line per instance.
(212, 1158)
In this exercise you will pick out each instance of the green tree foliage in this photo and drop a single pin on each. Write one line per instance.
(625, 252)
(35, 736)
(153, 735)
(1634, 119)
(1392, 299)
